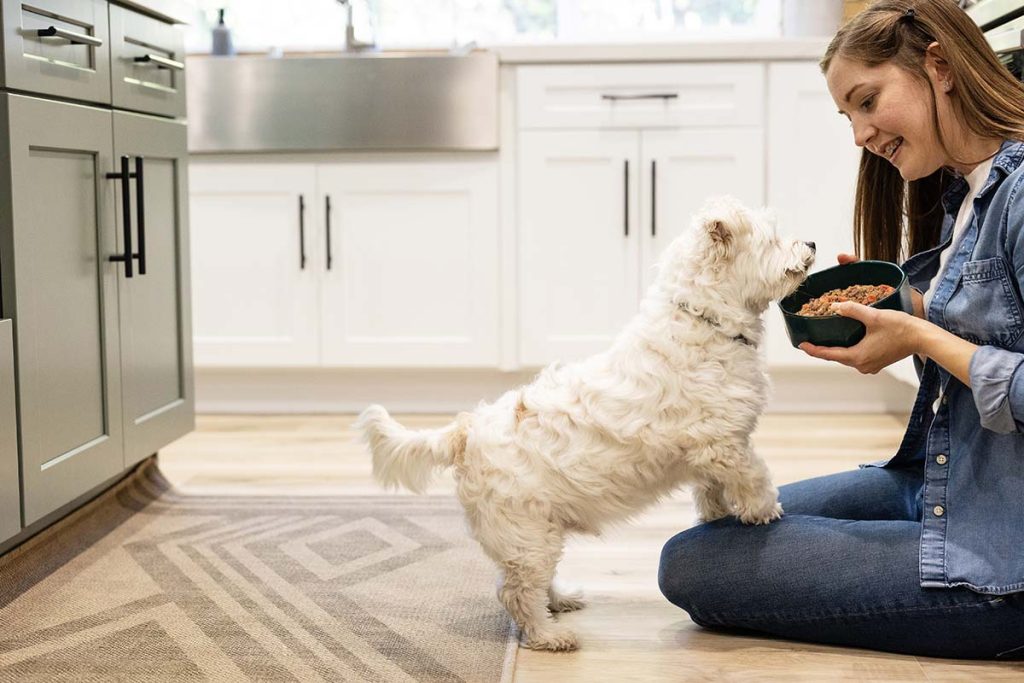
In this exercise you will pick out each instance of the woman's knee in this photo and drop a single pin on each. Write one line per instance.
(690, 573)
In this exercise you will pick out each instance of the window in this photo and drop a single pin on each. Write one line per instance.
(308, 25)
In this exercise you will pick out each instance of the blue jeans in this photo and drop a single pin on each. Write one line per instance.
(840, 567)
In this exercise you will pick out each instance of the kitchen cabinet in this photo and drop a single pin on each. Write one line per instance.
(103, 360)
(813, 193)
(681, 169)
(256, 291)
(596, 209)
(57, 47)
(409, 263)
(10, 484)
(812, 178)
(579, 269)
(63, 298)
(148, 71)
(354, 263)
(154, 305)
(94, 272)
(597, 205)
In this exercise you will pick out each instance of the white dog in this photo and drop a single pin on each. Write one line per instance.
(675, 400)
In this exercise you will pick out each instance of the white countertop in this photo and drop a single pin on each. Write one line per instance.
(705, 50)
(692, 50)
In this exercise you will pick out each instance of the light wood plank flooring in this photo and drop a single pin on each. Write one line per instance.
(628, 632)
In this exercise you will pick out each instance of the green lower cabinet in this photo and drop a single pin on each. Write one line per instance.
(10, 484)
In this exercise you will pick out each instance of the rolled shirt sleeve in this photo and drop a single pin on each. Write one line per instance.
(997, 383)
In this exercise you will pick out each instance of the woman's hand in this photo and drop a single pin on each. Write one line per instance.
(891, 336)
(915, 296)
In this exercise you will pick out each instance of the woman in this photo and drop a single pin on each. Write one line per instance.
(923, 553)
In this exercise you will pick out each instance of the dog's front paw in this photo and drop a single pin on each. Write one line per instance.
(554, 638)
(761, 514)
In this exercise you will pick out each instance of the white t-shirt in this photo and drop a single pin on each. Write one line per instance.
(975, 179)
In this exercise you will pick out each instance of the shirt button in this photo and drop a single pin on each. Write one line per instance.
(938, 510)
(941, 459)
(944, 400)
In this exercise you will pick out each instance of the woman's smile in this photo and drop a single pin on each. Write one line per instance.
(895, 151)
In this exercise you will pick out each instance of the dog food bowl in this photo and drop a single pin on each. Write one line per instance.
(837, 330)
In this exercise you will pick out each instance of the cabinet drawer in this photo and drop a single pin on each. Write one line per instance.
(648, 95)
(10, 488)
(74, 62)
(147, 63)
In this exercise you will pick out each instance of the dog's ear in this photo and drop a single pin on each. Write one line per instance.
(720, 239)
(719, 231)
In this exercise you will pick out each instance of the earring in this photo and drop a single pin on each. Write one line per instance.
(947, 86)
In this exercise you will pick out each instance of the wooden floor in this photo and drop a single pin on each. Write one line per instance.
(628, 632)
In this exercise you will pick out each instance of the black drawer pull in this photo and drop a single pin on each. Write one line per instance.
(327, 217)
(140, 208)
(160, 62)
(654, 198)
(648, 96)
(302, 232)
(126, 222)
(70, 36)
(625, 196)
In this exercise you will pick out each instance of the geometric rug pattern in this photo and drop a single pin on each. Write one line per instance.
(148, 584)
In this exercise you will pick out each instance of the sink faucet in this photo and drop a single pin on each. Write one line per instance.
(351, 44)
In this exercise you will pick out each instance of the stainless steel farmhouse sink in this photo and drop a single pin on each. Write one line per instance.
(363, 101)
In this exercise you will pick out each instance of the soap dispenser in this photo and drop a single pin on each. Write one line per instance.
(222, 44)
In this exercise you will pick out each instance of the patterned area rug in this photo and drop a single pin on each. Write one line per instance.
(148, 584)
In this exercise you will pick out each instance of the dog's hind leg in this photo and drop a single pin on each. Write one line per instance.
(528, 572)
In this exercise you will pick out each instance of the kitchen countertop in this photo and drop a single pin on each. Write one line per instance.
(707, 50)
(693, 50)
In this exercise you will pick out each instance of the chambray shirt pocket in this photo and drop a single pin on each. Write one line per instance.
(984, 308)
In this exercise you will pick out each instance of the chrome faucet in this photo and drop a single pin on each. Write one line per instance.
(351, 44)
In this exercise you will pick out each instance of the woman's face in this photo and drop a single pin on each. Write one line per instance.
(890, 113)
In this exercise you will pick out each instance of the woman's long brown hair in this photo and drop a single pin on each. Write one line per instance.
(894, 219)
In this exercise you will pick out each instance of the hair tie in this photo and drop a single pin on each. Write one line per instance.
(909, 16)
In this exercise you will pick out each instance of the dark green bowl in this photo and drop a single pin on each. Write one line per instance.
(836, 330)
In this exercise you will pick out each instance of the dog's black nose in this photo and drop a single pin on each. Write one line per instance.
(811, 245)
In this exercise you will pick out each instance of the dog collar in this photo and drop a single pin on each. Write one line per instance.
(685, 307)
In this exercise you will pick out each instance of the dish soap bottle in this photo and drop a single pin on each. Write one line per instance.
(222, 44)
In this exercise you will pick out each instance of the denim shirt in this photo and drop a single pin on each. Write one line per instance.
(972, 447)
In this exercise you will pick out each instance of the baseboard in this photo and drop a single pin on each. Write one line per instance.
(830, 389)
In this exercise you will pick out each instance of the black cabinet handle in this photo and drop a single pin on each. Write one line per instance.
(70, 36)
(140, 212)
(625, 196)
(654, 198)
(648, 96)
(126, 224)
(302, 232)
(327, 217)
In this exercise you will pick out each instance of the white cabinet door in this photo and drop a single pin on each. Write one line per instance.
(682, 168)
(255, 264)
(578, 232)
(812, 178)
(413, 275)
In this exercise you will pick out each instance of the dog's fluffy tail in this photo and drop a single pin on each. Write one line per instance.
(406, 457)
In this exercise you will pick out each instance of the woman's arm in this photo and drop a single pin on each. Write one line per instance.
(894, 335)
(946, 349)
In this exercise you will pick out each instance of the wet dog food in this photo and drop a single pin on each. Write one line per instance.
(862, 294)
